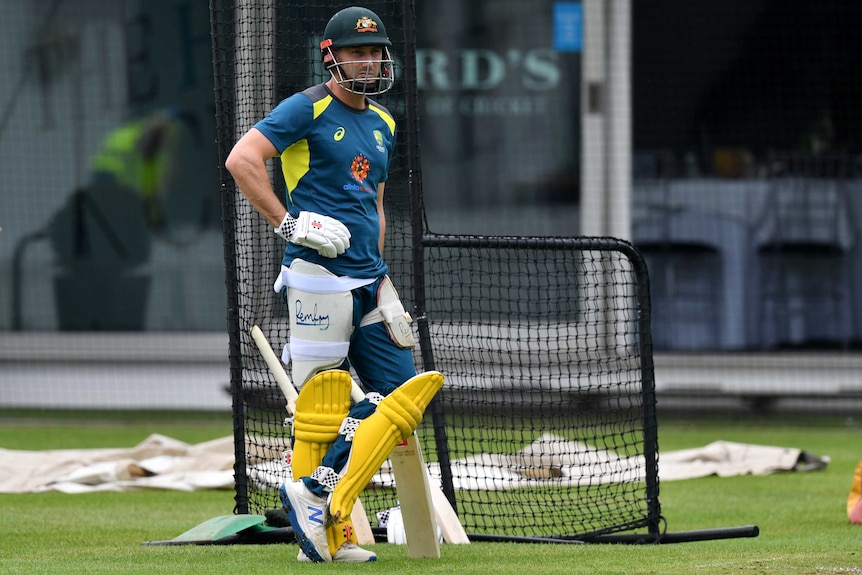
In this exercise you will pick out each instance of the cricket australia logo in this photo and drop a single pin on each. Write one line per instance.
(360, 168)
(366, 24)
(378, 137)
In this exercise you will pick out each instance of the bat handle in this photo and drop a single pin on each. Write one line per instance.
(275, 367)
(281, 377)
(356, 393)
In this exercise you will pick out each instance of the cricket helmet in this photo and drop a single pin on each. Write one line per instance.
(357, 26)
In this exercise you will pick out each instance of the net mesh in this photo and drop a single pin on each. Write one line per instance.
(544, 402)
(546, 425)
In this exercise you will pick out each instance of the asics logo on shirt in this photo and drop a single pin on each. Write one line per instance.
(339, 134)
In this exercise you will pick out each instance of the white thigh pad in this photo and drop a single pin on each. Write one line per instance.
(321, 321)
(391, 312)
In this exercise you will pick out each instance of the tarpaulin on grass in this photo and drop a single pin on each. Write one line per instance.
(160, 462)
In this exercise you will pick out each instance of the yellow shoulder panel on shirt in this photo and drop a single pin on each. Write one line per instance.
(321, 105)
(386, 117)
(295, 162)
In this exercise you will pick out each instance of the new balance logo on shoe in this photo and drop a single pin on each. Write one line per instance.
(315, 514)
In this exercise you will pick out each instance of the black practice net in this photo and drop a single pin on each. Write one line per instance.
(546, 425)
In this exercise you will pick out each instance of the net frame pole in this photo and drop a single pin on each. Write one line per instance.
(229, 104)
(224, 115)
(650, 417)
(418, 224)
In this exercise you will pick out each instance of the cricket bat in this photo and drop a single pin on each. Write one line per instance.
(414, 496)
(361, 525)
(424, 506)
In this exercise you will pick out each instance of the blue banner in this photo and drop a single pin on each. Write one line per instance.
(568, 26)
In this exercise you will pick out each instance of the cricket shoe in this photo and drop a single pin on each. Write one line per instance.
(347, 553)
(307, 514)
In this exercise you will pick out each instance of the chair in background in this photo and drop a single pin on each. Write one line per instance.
(804, 239)
(685, 279)
(681, 250)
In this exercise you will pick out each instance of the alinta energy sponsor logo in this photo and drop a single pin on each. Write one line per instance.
(360, 168)
(356, 188)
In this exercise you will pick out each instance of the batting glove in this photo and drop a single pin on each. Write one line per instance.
(326, 235)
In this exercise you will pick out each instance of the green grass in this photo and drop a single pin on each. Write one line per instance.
(802, 516)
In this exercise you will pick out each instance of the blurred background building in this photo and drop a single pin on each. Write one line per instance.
(723, 139)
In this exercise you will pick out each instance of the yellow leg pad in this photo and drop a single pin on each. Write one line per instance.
(395, 419)
(339, 533)
(322, 405)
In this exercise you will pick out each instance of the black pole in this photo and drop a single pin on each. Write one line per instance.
(417, 220)
(679, 536)
(650, 417)
(224, 125)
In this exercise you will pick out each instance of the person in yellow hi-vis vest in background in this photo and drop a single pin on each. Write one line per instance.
(138, 156)
(103, 233)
